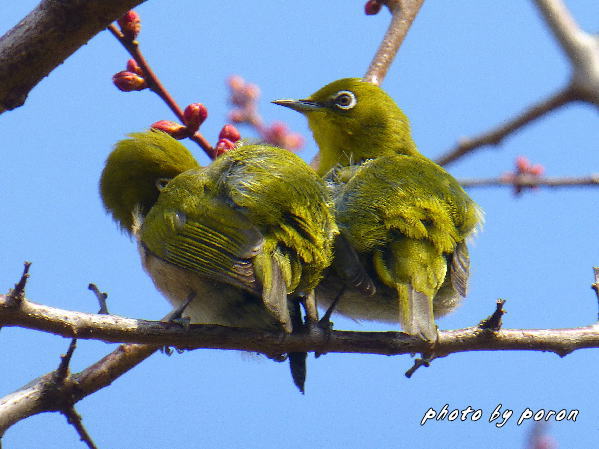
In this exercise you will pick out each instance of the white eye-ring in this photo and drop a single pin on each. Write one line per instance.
(345, 99)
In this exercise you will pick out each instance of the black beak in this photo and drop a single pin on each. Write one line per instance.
(298, 105)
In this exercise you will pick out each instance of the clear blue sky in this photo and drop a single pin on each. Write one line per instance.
(464, 68)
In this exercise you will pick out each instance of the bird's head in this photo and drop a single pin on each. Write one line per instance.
(353, 120)
(135, 172)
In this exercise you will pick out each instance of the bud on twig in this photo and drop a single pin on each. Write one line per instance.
(174, 129)
(223, 146)
(194, 115)
(132, 66)
(129, 81)
(372, 7)
(229, 132)
(278, 134)
(130, 24)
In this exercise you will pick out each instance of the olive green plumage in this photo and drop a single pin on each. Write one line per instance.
(257, 218)
(405, 216)
(134, 170)
(246, 235)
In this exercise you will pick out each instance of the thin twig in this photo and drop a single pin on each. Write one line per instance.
(17, 294)
(403, 14)
(595, 285)
(417, 364)
(496, 135)
(75, 420)
(493, 322)
(101, 297)
(532, 181)
(156, 86)
(63, 369)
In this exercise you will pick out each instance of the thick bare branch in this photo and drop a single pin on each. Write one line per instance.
(55, 392)
(403, 14)
(45, 38)
(44, 394)
(581, 48)
(117, 329)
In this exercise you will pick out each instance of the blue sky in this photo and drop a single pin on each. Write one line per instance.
(463, 69)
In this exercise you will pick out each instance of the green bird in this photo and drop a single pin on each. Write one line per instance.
(246, 236)
(403, 219)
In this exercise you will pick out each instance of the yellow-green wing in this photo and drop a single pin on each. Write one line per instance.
(219, 244)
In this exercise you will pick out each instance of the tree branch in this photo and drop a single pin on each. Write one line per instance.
(45, 38)
(582, 50)
(531, 181)
(403, 14)
(58, 389)
(118, 329)
(496, 135)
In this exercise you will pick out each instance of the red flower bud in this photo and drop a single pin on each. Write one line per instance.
(133, 66)
(194, 115)
(174, 129)
(230, 133)
(372, 7)
(129, 81)
(130, 24)
(223, 146)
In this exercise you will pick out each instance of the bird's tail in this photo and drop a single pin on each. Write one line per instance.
(297, 360)
(416, 313)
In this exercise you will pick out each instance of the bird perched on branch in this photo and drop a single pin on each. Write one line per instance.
(402, 254)
(246, 236)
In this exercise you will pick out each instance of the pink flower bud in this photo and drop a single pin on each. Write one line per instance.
(174, 129)
(230, 133)
(130, 24)
(236, 82)
(129, 81)
(194, 115)
(223, 146)
(372, 7)
(132, 66)
(522, 164)
(293, 141)
(237, 116)
(536, 170)
(251, 91)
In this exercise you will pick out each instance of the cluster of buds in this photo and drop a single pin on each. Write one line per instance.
(524, 170)
(193, 116)
(373, 7)
(279, 135)
(227, 138)
(130, 25)
(130, 79)
(244, 97)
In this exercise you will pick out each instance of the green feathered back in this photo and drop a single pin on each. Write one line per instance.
(261, 203)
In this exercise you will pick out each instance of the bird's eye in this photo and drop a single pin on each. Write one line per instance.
(345, 100)
(161, 183)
